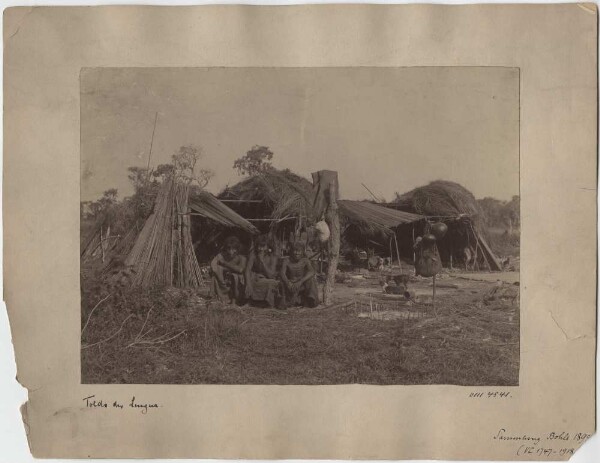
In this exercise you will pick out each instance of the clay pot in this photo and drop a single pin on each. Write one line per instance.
(428, 239)
(439, 229)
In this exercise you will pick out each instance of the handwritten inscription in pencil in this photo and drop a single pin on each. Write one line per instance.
(93, 402)
(550, 445)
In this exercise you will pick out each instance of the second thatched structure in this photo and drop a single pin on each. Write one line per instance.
(372, 226)
(453, 204)
(278, 202)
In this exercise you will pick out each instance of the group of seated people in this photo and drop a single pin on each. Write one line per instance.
(262, 277)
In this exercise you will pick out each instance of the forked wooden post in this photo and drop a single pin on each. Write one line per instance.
(325, 183)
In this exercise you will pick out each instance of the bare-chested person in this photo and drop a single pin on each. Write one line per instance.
(228, 272)
(299, 286)
(261, 274)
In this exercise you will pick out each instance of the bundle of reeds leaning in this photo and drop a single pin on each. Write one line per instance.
(163, 254)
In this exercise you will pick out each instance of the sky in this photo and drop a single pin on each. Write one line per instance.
(392, 129)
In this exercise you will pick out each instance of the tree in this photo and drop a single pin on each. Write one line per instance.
(255, 161)
(146, 185)
(492, 209)
(501, 214)
(145, 190)
(104, 205)
(84, 207)
(110, 196)
(162, 171)
(184, 166)
(138, 176)
(511, 213)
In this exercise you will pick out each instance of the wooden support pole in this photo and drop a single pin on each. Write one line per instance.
(151, 144)
(101, 244)
(433, 298)
(397, 252)
(326, 189)
(414, 251)
(333, 220)
(321, 257)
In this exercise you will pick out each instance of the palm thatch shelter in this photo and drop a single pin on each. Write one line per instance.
(367, 225)
(279, 202)
(211, 222)
(453, 204)
(370, 218)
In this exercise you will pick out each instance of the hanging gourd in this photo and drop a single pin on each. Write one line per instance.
(428, 261)
(439, 230)
(428, 240)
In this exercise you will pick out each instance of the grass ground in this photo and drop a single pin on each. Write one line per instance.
(179, 337)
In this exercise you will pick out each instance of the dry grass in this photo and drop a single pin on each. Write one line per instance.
(283, 192)
(441, 198)
(175, 337)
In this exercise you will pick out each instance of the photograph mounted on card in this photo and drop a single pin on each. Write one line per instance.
(210, 254)
(296, 232)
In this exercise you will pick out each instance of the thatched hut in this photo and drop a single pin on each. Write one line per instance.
(456, 206)
(281, 202)
(278, 202)
(163, 253)
(369, 225)
(211, 222)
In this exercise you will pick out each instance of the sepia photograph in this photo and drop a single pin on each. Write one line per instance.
(300, 226)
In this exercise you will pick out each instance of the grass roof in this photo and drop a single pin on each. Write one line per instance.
(370, 218)
(283, 192)
(211, 208)
(440, 198)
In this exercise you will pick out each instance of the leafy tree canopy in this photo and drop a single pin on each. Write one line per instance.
(255, 161)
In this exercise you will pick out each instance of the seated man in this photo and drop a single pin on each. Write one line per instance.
(228, 272)
(261, 274)
(298, 277)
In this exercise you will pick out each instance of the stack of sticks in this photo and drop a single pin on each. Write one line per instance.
(186, 265)
(163, 254)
